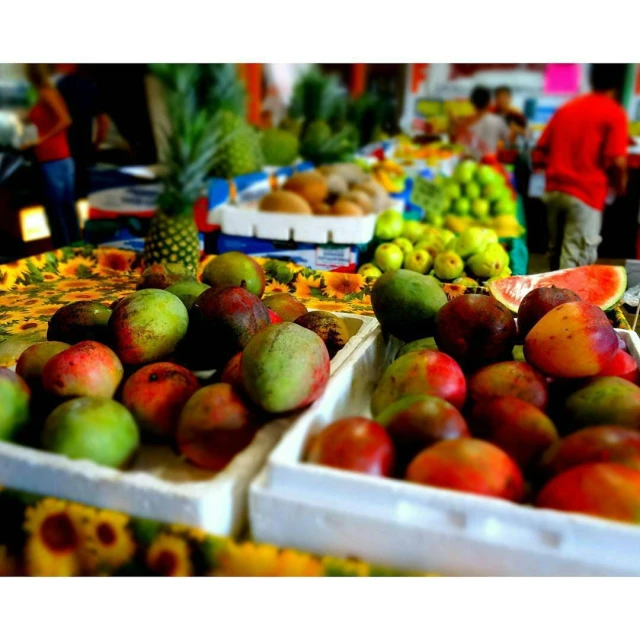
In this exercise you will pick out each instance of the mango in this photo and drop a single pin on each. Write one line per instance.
(31, 363)
(517, 427)
(573, 340)
(188, 291)
(86, 369)
(604, 401)
(285, 305)
(329, 327)
(285, 367)
(405, 303)
(215, 425)
(147, 326)
(602, 489)
(156, 394)
(78, 321)
(235, 269)
(424, 344)
(98, 429)
(516, 379)
(420, 373)
(538, 302)
(161, 276)
(14, 404)
(222, 323)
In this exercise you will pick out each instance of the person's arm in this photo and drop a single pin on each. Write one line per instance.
(540, 155)
(616, 145)
(62, 120)
(102, 127)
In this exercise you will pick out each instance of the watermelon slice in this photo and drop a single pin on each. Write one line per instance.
(602, 285)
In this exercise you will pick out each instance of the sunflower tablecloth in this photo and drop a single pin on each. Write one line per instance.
(44, 536)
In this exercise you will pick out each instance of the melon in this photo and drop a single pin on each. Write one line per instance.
(602, 285)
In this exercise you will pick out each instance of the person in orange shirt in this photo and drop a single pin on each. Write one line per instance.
(51, 148)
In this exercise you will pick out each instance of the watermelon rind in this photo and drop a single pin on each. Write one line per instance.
(510, 291)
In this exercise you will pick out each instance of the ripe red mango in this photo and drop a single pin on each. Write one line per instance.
(574, 340)
(622, 365)
(469, 465)
(602, 489)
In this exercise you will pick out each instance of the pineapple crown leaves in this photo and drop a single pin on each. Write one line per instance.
(318, 96)
(194, 138)
(338, 147)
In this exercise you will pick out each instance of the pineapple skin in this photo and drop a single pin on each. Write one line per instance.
(172, 240)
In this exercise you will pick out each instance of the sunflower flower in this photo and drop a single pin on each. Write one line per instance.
(77, 267)
(248, 559)
(303, 285)
(79, 296)
(109, 543)
(298, 565)
(276, 287)
(197, 535)
(10, 274)
(115, 259)
(8, 564)
(339, 285)
(326, 305)
(169, 555)
(55, 540)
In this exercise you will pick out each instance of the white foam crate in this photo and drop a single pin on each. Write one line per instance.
(244, 219)
(159, 485)
(419, 528)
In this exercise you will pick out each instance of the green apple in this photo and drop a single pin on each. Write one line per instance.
(465, 171)
(412, 230)
(480, 208)
(462, 206)
(388, 256)
(452, 191)
(472, 190)
(389, 225)
(447, 236)
(419, 261)
(505, 206)
(405, 245)
(486, 175)
(493, 191)
(466, 282)
(448, 265)
(369, 270)
(434, 219)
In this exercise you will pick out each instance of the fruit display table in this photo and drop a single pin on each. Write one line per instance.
(47, 536)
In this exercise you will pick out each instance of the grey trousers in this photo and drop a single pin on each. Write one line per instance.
(574, 231)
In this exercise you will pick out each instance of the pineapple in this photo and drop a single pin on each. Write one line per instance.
(193, 143)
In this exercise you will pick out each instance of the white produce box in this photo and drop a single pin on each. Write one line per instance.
(244, 219)
(159, 485)
(413, 527)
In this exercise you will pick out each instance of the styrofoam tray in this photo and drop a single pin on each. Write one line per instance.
(244, 219)
(414, 527)
(160, 485)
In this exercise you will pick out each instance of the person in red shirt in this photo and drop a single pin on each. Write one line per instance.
(51, 148)
(583, 152)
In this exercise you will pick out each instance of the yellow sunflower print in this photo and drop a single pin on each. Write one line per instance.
(75, 283)
(169, 555)
(40, 260)
(114, 260)
(298, 565)
(70, 268)
(56, 538)
(45, 309)
(11, 273)
(276, 287)
(338, 285)
(303, 285)
(10, 299)
(248, 559)
(197, 535)
(109, 542)
(78, 296)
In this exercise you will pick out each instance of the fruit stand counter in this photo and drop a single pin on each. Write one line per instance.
(47, 536)
(51, 537)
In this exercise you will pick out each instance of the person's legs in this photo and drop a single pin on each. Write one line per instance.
(557, 205)
(53, 188)
(581, 235)
(60, 202)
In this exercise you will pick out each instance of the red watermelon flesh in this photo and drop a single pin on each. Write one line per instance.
(602, 285)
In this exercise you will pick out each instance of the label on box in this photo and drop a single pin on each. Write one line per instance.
(328, 257)
(137, 200)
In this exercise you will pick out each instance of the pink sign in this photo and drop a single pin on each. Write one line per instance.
(562, 78)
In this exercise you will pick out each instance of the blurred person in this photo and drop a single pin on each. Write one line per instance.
(81, 97)
(51, 148)
(502, 106)
(483, 132)
(583, 151)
